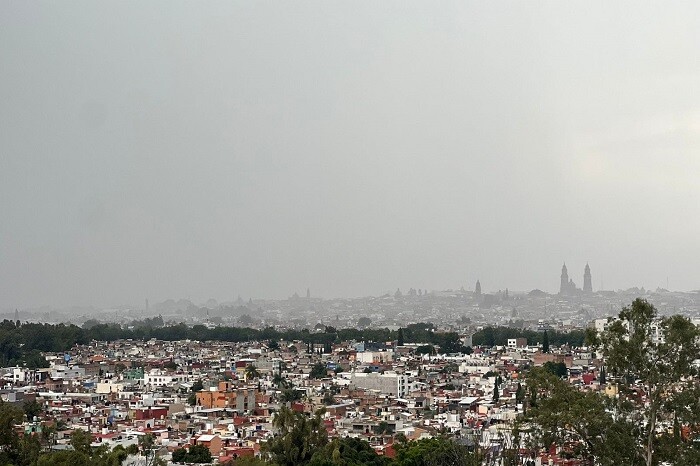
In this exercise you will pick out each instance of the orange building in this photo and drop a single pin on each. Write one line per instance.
(240, 399)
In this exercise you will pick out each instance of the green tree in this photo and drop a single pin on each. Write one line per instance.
(198, 454)
(557, 368)
(10, 416)
(400, 338)
(31, 409)
(65, 458)
(450, 343)
(579, 422)
(179, 455)
(328, 398)
(197, 386)
(81, 441)
(49, 436)
(251, 372)
(29, 450)
(195, 454)
(347, 452)
(520, 394)
(318, 371)
(438, 451)
(545, 342)
(654, 355)
(289, 394)
(383, 428)
(171, 365)
(298, 438)
(35, 360)
(246, 461)
(147, 449)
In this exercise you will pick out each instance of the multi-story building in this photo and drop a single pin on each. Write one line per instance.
(389, 383)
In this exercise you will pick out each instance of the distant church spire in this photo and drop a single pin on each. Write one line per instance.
(587, 283)
(567, 286)
(564, 284)
(477, 288)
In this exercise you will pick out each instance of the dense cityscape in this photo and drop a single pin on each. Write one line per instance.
(451, 375)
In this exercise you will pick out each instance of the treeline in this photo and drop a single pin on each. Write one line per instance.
(22, 343)
(498, 336)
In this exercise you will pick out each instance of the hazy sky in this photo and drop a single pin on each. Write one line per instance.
(211, 149)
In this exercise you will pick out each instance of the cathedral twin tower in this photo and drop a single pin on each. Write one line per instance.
(568, 287)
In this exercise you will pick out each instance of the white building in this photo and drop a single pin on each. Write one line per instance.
(158, 378)
(67, 372)
(476, 366)
(389, 383)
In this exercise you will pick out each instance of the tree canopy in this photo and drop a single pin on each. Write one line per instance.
(649, 361)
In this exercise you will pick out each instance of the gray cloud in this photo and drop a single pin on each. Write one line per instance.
(174, 149)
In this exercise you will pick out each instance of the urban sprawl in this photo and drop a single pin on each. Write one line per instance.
(171, 380)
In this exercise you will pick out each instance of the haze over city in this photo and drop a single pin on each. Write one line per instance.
(210, 150)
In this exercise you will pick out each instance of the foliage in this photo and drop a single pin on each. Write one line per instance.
(557, 368)
(520, 394)
(194, 454)
(328, 399)
(450, 343)
(383, 428)
(438, 451)
(197, 386)
(426, 349)
(651, 359)
(31, 409)
(580, 422)
(347, 452)
(298, 438)
(400, 338)
(246, 461)
(251, 372)
(65, 458)
(364, 322)
(35, 360)
(146, 444)
(172, 365)
(318, 371)
(80, 440)
(498, 336)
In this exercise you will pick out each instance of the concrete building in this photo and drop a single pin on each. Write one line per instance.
(389, 383)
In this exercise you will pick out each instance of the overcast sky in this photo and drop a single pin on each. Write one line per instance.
(215, 149)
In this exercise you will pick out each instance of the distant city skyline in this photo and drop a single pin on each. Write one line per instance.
(567, 286)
